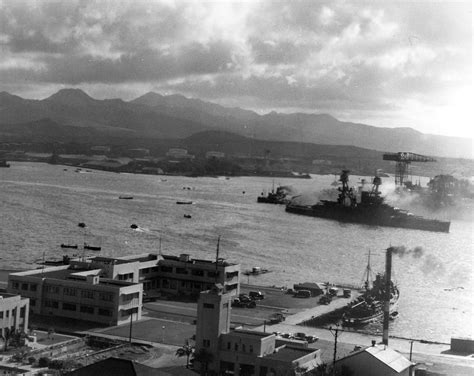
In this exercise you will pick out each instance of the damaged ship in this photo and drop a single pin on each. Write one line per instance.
(371, 210)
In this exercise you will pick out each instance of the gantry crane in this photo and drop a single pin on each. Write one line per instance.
(403, 160)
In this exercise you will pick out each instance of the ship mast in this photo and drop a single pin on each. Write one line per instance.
(367, 274)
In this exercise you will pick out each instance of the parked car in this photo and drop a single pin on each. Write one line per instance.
(303, 294)
(276, 318)
(325, 299)
(301, 336)
(237, 302)
(244, 298)
(312, 339)
(256, 295)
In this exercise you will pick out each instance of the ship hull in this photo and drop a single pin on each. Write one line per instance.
(369, 216)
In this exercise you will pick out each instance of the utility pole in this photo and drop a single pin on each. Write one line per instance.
(335, 333)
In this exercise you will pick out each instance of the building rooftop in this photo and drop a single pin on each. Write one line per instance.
(389, 357)
(289, 354)
(251, 333)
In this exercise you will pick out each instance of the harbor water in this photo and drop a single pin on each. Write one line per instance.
(41, 206)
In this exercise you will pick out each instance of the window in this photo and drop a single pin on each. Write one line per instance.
(206, 343)
(69, 307)
(181, 271)
(106, 296)
(32, 302)
(236, 347)
(52, 289)
(87, 309)
(15, 285)
(87, 294)
(51, 303)
(251, 348)
(146, 270)
(228, 345)
(105, 312)
(197, 272)
(212, 274)
(243, 347)
(208, 305)
(24, 286)
(166, 269)
(70, 291)
(232, 274)
(33, 287)
(22, 312)
(1, 314)
(7, 314)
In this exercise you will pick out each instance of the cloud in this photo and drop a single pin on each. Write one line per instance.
(352, 59)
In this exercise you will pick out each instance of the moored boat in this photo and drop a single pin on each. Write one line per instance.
(91, 247)
(74, 246)
(369, 306)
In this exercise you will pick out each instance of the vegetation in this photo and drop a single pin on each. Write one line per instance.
(204, 357)
(186, 350)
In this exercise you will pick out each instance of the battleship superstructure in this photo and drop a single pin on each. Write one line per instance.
(371, 210)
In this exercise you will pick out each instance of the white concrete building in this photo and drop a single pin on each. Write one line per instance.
(14, 312)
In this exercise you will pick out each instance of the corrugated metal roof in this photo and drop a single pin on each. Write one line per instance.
(391, 358)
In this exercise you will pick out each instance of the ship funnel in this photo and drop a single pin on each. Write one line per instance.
(386, 303)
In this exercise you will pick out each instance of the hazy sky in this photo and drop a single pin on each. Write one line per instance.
(384, 63)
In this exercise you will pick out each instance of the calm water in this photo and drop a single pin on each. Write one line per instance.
(41, 206)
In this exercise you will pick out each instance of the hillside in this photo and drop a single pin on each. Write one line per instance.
(154, 116)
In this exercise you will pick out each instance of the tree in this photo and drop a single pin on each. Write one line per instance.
(186, 350)
(204, 357)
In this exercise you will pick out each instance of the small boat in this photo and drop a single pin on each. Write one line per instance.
(81, 224)
(68, 245)
(184, 202)
(133, 226)
(91, 247)
(256, 270)
(187, 216)
(126, 197)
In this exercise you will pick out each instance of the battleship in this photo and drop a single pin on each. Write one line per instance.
(370, 210)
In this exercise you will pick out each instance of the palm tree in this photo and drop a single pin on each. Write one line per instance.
(186, 350)
(204, 357)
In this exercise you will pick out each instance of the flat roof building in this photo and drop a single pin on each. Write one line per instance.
(14, 313)
(110, 289)
(78, 292)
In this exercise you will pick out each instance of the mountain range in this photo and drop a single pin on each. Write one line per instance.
(72, 115)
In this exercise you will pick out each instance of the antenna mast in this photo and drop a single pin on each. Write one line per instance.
(217, 256)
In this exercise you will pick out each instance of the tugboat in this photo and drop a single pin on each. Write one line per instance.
(275, 197)
(371, 210)
(369, 306)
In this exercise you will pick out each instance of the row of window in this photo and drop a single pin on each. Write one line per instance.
(85, 294)
(24, 286)
(243, 347)
(6, 314)
(195, 272)
(73, 307)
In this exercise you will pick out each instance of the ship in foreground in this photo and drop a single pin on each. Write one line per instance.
(369, 306)
(370, 210)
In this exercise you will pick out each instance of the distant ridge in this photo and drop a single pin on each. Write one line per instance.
(176, 117)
